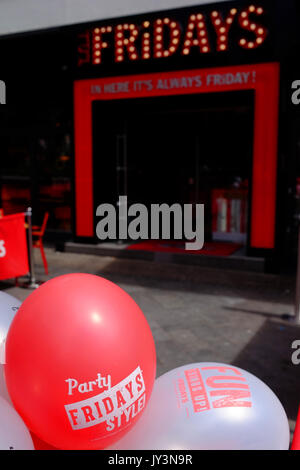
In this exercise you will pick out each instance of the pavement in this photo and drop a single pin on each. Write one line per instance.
(201, 314)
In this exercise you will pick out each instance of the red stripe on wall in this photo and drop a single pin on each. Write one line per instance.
(83, 161)
(265, 159)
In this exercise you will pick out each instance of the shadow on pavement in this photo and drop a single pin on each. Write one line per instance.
(215, 281)
(283, 316)
(170, 276)
(268, 357)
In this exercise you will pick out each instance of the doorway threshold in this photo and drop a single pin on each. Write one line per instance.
(237, 260)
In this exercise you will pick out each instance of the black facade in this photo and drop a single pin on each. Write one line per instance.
(37, 123)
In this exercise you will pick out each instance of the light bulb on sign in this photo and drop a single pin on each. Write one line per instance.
(126, 43)
(161, 49)
(195, 32)
(248, 24)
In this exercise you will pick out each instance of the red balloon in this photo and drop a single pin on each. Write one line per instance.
(41, 445)
(80, 362)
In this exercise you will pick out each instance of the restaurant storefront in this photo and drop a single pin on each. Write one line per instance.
(182, 106)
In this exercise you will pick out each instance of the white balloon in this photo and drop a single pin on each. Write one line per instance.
(209, 406)
(3, 389)
(14, 435)
(9, 306)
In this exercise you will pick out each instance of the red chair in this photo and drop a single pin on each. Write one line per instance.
(37, 242)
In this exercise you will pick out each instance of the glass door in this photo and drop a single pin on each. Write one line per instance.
(15, 171)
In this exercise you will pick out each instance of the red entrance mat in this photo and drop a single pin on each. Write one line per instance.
(170, 246)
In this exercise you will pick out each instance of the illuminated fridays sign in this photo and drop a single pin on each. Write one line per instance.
(164, 36)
